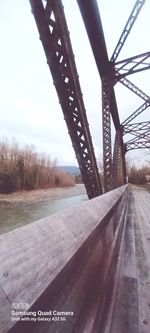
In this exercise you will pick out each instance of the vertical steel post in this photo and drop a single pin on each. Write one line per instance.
(119, 167)
(107, 153)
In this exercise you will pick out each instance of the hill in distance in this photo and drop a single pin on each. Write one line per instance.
(73, 170)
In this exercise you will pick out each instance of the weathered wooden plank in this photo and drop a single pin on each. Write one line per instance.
(131, 310)
(34, 255)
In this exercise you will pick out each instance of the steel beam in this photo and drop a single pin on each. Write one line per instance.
(143, 144)
(136, 128)
(132, 65)
(119, 167)
(107, 153)
(136, 113)
(131, 20)
(54, 35)
(91, 17)
(135, 89)
(141, 139)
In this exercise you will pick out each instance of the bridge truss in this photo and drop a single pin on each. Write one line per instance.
(52, 26)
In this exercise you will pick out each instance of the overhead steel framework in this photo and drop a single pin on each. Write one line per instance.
(112, 72)
(52, 26)
(140, 133)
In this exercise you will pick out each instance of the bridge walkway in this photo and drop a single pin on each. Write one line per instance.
(97, 266)
(131, 311)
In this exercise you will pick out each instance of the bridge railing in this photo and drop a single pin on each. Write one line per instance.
(63, 263)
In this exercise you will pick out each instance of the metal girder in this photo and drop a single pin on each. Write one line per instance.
(135, 89)
(132, 65)
(107, 153)
(114, 171)
(137, 128)
(141, 139)
(116, 154)
(91, 17)
(132, 18)
(140, 135)
(110, 73)
(144, 144)
(136, 113)
(54, 35)
(119, 167)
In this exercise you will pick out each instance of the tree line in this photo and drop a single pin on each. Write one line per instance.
(25, 169)
(138, 175)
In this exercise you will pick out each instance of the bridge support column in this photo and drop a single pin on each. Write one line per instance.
(119, 168)
(107, 153)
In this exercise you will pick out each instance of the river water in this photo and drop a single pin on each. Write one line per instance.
(19, 213)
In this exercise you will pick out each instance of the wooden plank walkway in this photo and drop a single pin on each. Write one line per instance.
(142, 248)
(129, 310)
(32, 257)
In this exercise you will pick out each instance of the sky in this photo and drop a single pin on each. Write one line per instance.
(29, 107)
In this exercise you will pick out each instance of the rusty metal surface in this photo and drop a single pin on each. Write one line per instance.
(107, 149)
(130, 22)
(140, 135)
(54, 35)
(132, 65)
(111, 72)
(119, 167)
(136, 113)
(127, 83)
(52, 26)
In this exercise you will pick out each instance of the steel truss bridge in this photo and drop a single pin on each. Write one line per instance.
(86, 269)
(52, 26)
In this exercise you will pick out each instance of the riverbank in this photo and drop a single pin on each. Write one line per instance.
(20, 208)
(41, 195)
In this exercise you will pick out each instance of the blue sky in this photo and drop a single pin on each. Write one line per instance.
(29, 107)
